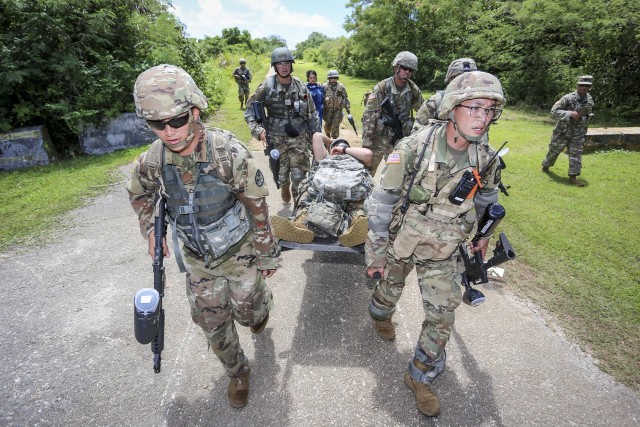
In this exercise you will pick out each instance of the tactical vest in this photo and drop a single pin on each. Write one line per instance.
(436, 186)
(290, 107)
(333, 98)
(208, 219)
(401, 104)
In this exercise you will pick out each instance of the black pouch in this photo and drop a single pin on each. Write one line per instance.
(290, 130)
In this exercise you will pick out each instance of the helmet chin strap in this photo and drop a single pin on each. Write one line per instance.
(469, 138)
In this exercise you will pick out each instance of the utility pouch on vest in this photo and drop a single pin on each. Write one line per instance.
(419, 194)
(466, 188)
(326, 216)
(227, 231)
(290, 130)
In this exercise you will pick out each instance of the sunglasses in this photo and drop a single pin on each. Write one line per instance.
(175, 123)
(402, 67)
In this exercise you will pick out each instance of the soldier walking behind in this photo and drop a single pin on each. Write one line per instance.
(216, 202)
(335, 99)
(242, 75)
(292, 120)
(573, 112)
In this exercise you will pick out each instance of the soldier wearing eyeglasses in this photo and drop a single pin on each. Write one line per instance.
(388, 114)
(216, 204)
(573, 112)
(421, 222)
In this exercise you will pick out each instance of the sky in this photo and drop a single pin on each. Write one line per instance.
(292, 20)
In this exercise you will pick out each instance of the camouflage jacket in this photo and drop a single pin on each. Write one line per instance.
(429, 209)
(242, 76)
(404, 100)
(428, 110)
(563, 108)
(246, 182)
(335, 97)
(284, 104)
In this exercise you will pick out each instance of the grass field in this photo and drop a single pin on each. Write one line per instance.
(578, 250)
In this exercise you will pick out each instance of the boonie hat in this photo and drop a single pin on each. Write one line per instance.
(585, 80)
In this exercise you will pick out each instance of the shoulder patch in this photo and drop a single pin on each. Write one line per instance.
(259, 178)
(393, 159)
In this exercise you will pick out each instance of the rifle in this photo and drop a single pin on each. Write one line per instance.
(148, 313)
(270, 150)
(353, 124)
(392, 120)
(475, 268)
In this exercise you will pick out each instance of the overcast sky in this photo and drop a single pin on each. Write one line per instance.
(292, 20)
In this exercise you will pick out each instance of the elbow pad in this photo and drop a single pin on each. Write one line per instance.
(379, 207)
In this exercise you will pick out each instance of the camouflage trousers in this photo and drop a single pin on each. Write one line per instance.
(574, 145)
(295, 157)
(332, 121)
(439, 283)
(233, 291)
(243, 93)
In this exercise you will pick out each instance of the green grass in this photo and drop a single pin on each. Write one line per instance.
(578, 251)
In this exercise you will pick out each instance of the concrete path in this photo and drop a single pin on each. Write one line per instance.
(69, 357)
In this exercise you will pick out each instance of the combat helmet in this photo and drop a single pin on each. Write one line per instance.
(166, 91)
(471, 85)
(333, 73)
(406, 59)
(281, 54)
(242, 61)
(459, 66)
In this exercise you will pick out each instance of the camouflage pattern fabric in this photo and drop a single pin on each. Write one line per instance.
(290, 105)
(335, 100)
(375, 135)
(568, 132)
(234, 292)
(428, 110)
(429, 233)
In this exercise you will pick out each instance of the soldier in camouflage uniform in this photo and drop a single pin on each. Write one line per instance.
(242, 76)
(216, 201)
(429, 109)
(350, 214)
(573, 112)
(428, 232)
(401, 96)
(335, 99)
(292, 120)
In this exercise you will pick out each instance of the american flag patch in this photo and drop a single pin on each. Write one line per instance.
(393, 159)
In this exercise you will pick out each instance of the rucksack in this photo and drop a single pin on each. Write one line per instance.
(340, 179)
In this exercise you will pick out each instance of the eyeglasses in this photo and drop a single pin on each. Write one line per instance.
(584, 85)
(480, 113)
(175, 123)
(402, 67)
(333, 78)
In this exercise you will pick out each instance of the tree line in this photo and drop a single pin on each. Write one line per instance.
(67, 63)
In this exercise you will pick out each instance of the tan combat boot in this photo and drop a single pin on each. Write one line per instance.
(385, 329)
(356, 234)
(285, 229)
(285, 193)
(238, 391)
(426, 398)
(573, 180)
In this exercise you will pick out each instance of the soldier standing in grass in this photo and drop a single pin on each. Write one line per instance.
(216, 201)
(292, 120)
(428, 232)
(573, 112)
(242, 75)
(335, 99)
(400, 96)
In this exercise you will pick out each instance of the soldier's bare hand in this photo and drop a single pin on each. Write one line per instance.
(263, 138)
(152, 245)
(268, 273)
(481, 246)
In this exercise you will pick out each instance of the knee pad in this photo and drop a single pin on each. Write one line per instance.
(297, 175)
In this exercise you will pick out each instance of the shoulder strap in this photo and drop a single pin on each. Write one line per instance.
(221, 154)
(154, 156)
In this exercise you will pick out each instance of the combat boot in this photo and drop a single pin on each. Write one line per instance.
(356, 234)
(573, 180)
(545, 169)
(285, 229)
(385, 329)
(238, 391)
(259, 327)
(426, 398)
(285, 193)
